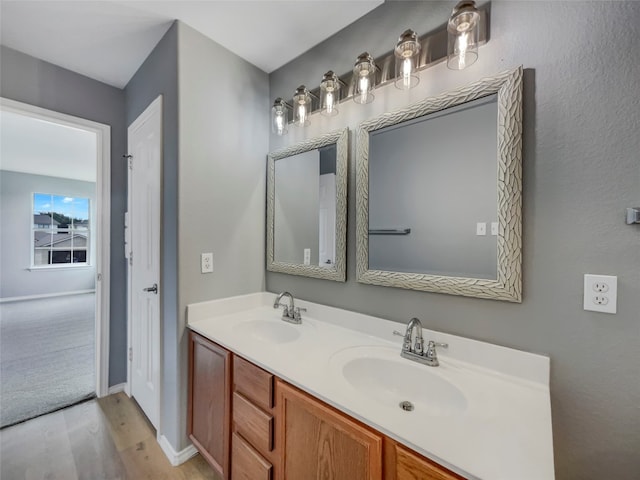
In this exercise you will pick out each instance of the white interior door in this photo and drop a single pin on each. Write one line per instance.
(145, 150)
(327, 240)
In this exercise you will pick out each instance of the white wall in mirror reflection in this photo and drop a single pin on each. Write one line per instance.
(437, 176)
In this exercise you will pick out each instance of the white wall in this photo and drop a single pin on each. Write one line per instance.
(16, 220)
(296, 225)
(424, 178)
(223, 143)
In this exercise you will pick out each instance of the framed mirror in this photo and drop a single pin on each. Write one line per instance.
(439, 193)
(307, 208)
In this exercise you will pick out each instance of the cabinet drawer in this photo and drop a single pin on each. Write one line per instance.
(253, 424)
(246, 463)
(253, 382)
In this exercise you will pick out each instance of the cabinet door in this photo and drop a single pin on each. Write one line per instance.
(319, 442)
(209, 415)
(404, 464)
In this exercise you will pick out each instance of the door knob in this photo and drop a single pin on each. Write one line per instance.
(153, 289)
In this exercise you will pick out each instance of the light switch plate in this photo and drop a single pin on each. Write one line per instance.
(307, 256)
(481, 228)
(600, 293)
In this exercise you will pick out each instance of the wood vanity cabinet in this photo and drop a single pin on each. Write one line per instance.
(209, 411)
(317, 441)
(250, 425)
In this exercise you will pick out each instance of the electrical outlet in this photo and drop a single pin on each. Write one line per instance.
(307, 256)
(206, 262)
(600, 293)
(481, 228)
(494, 228)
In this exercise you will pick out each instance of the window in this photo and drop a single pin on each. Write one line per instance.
(61, 230)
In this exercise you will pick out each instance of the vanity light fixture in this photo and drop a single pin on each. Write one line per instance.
(329, 94)
(462, 35)
(280, 117)
(364, 76)
(406, 53)
(466, 31)
(302, 106)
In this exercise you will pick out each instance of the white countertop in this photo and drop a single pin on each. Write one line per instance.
(502, 432)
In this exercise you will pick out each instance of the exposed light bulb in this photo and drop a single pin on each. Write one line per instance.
(329, 94)
(406, 72)
(407, 60)
(364, 72)
(364, 87)
(329, 102)
(279, 117)
(279, 124)
(462, 50)
(463, 29)
(302, 114)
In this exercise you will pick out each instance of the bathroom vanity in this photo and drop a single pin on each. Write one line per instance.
(333, 398)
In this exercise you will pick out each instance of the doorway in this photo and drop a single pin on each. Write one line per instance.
(54, 287)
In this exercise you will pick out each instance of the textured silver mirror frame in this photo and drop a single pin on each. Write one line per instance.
(508, 286)
(338, 271)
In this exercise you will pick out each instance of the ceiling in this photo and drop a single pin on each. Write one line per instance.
(31, 145)
(109, 40)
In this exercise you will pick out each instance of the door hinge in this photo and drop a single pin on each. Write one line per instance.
(131, 259)
(129, 160)
(130, 354)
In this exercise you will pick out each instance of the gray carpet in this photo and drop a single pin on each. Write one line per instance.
(46, 355)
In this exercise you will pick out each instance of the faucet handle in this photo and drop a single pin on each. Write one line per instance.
(431, 352)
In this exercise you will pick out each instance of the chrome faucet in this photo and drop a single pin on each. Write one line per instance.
(418, 346)
(416, 351)
(290, 313)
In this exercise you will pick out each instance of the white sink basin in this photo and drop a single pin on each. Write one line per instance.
(272, 331)
(380, 374)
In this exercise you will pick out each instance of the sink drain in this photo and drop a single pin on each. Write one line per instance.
(406, 406)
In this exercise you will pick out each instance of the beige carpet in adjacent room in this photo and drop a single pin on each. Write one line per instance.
(46, 355)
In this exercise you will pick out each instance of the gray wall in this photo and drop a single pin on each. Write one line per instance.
(26, 79)
(16, 219)
(158, 75)
(224, 125)
(581, 170)
(296, 212)
(423, 177)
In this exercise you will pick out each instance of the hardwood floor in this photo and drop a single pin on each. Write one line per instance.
(104, 439)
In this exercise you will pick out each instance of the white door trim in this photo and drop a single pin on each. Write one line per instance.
(153, 108)
(103, 224)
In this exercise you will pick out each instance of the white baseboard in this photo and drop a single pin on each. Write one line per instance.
(176, 458)
(47, 295)
(116, 388)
